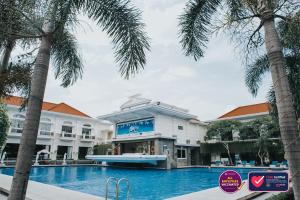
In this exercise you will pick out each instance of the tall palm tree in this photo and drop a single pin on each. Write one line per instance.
(120, 20)
(289, 34)
(245, 19)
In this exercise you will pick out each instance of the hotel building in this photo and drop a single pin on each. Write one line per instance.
(144, 126)
(63, 129)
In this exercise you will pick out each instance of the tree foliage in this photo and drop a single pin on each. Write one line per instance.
(4, 124)
(289, 33)
(22, 24)
(252, 129)
(241, 19)
(246, 130)
(223, 129)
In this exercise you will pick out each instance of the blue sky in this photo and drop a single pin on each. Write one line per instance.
(208, 88)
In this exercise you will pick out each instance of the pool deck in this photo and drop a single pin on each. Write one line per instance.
(40, 191)
(216, 194)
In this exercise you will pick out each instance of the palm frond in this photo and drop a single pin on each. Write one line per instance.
(122, 23)
(254, 73)
(236, 9)
(195, 26)
(66, 59)
(16, 78)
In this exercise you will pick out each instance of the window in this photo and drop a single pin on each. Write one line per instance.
(86, 129)
(180, 128)
(181, 153)
(67, 127)
(45, 126)
(17, 123)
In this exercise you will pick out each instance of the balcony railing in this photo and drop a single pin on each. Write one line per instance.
(14, 133)
(46, 134)
(67, 136)
(87, 137)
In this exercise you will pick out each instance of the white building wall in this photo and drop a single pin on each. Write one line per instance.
(168, 127)
(99, 129)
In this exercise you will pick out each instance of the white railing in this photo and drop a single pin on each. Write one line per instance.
(46, 134)
(87, 137)
(70, 136)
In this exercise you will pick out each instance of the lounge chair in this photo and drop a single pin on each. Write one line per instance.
(239, 163)
(244, 163)
(251, 163)
(284, 164)
(213, 164)
(274, 164)
(218, 163)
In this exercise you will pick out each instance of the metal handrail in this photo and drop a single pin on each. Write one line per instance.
(128, 188)
(106, 186)
(117, 182)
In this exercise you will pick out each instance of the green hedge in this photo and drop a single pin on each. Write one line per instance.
(283, 196)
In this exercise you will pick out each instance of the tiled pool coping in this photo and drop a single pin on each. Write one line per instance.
(40, 191)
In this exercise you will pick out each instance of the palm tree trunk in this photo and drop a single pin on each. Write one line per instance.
(286, 112)
(30, 131)
(6, 55)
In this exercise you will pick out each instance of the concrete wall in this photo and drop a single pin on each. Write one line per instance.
(168, 126)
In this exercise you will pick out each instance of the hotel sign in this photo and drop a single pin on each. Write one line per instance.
(135, 127)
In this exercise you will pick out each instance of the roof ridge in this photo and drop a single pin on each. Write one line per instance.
(47, 106)
(242, 107)
(63, 103)
(253, 104)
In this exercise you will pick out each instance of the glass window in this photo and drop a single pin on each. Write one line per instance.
(181, 153)
(17, 123)
(67, 127)
(86, 129)
(45, 126)
(180, 128)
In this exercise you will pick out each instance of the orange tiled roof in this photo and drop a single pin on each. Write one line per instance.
(247, 110)
(52, 107)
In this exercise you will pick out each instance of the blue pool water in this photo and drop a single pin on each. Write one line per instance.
(145, 184)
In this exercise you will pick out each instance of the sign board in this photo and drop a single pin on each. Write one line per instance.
(135, 127)
(268, 181)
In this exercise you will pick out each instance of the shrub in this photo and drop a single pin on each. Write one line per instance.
(283, 196)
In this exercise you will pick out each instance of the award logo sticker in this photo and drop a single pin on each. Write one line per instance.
(268, 181)
(230, 181)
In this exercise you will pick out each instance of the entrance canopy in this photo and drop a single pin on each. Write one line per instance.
(128, 158)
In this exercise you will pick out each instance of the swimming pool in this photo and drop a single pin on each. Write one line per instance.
(145, 184)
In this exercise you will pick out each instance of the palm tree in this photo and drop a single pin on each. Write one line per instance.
(245, 19)
(14, 76)
(290, 38)
(117, 18)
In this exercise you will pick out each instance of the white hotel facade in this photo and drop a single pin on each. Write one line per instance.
(156, 128)
(63, 129)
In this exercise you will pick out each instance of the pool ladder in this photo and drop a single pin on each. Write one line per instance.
(117, 183)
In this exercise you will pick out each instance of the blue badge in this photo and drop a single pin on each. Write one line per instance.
(268, 181)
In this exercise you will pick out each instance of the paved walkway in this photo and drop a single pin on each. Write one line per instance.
(40, 191)
(214, 194)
